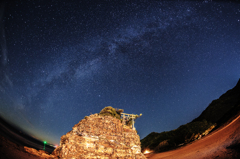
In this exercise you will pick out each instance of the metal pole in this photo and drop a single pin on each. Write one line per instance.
(133, 123)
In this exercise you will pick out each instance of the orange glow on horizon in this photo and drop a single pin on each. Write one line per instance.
(147, 151)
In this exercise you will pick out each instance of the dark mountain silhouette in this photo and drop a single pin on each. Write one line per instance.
(222, 109)
(219, 112)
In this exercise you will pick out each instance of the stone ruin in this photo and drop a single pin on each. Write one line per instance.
(100, 137)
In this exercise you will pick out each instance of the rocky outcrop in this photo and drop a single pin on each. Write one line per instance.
(99, 136)
(206, 132)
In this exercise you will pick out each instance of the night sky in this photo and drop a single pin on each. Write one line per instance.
(63, 60)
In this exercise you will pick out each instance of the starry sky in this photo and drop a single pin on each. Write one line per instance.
(64, 60)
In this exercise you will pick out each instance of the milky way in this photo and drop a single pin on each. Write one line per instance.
(62, 61)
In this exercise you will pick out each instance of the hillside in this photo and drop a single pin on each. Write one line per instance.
(216, 114)
(223, 108)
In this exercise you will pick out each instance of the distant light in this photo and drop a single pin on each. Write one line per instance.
(147, 152)
(44, 143)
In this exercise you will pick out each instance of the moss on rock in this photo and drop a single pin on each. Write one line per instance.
(110, 111)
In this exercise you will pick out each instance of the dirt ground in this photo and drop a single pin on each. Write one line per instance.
(223, 143)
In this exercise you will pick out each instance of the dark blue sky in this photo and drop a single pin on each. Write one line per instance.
(62, 61)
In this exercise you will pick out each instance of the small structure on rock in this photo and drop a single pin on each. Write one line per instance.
(129, 118)
(101, 136)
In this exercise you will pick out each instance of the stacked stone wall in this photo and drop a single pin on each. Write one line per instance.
(100, 137)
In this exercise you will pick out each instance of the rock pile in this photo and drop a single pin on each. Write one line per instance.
(99, 136)
(206, 132)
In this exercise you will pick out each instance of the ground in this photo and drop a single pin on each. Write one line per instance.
(220, 144)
